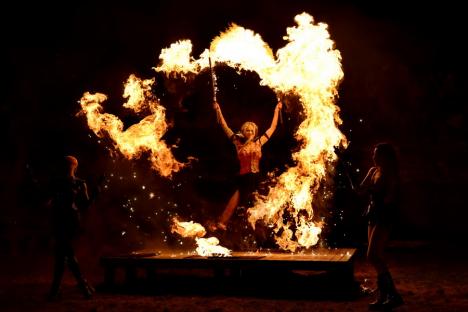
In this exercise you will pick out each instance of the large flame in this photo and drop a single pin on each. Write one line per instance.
(207, 247)
(143, 138)
(308, 66)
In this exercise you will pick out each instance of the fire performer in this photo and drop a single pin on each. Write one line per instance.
(249, 151)
(382, 185)
(69, 196)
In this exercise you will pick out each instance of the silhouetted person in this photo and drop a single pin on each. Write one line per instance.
(249, 152)
(69, 196)
(383, 187)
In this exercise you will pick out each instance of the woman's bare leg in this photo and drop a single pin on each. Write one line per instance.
(378, 238)
(229, 210)
(389, 297)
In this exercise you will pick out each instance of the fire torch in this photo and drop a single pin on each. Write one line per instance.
(280, 97)
(213, 80)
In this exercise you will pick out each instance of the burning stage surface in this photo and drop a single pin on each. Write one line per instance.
(147, 268)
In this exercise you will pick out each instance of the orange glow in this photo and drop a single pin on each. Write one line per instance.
(187, 229)
(141, 139)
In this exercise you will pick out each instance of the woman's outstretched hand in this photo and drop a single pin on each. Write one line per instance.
(215, 105)
(279, 106)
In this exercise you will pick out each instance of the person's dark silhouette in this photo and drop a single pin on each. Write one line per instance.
(382, 185)
(69, 196)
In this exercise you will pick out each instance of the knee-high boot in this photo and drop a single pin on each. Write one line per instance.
(393, 297)
(382, 294)
(86, 289)
(59, 268)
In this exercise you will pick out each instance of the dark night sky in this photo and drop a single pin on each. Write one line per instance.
(404, 76)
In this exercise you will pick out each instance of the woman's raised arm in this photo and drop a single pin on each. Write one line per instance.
(366, 182)
(273, 125)
(221, 121)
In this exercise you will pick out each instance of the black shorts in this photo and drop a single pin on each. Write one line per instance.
(247, 184)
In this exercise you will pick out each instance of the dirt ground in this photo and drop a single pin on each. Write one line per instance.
(431, 276)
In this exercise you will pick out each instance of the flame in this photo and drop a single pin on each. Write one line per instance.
(138, 91)
(177, 58)
(187, 229)
(143, 138)
(207, 247)
(308, 66)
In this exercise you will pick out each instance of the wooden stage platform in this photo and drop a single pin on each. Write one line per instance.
(147, 266)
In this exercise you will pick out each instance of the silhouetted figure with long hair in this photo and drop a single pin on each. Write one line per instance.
(249, 152)
(382, 184)
(69, 196)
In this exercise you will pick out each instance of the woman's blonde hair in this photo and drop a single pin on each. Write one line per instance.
(250, 123)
